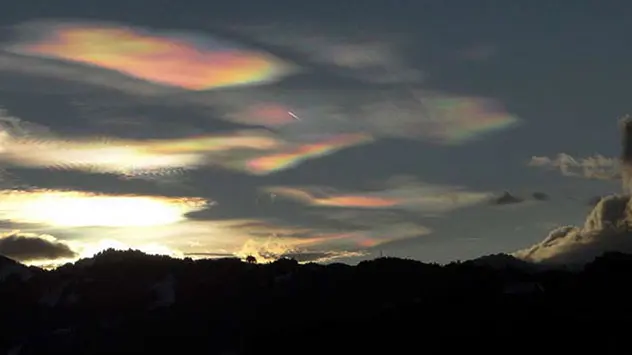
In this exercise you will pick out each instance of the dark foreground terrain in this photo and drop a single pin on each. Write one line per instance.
(129, 302)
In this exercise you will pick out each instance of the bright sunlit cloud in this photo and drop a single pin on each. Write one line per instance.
(128, 157)
(69, 209)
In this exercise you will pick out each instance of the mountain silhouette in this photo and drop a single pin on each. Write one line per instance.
(130, 302)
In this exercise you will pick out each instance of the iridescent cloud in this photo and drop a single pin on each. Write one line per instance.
(270, 114)
(435, 117)
(126, 157)
(177, 60)
(257, 152)
(67, 209)
(415, 197)
(295, 155)
(468, 117)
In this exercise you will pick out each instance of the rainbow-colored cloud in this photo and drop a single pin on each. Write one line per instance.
(295, 155)
(130, 157)
(199, 63)
(466, 118)
(414, 197)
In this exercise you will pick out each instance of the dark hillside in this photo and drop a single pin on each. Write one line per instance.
(135, 303)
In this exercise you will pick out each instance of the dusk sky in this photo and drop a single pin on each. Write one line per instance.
(318, 130)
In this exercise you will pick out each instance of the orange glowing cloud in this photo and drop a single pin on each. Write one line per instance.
(283, 160)
(173, 60)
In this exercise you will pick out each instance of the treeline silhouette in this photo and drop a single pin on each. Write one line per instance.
(129, 302)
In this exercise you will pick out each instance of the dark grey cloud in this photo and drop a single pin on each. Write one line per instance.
(318, 256)
(540, 196)
(28, 247)
(506, 199)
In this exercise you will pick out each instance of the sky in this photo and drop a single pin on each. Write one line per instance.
(437, 131)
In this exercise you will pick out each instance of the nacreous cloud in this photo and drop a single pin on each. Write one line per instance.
(30, 247)
(256, 152)
(412, 196)
(436, 117)
(185, 61)
(128, 157)
(607, 228)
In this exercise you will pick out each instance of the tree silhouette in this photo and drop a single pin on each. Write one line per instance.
(251, 259)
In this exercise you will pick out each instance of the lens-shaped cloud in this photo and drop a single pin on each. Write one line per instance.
(413, 197)
(431, 116)
(257, 152)
(178, 60)
(295, 155)
(126, 157)
(58, 208)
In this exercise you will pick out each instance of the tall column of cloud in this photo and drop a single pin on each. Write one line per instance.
(605, 229)
(626, 154)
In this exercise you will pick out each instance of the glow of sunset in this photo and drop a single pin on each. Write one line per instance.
(81, 209)
(162, 59)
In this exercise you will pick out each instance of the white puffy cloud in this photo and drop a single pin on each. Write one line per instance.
(607, 228)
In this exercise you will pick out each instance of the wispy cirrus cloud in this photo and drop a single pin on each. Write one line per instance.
(376, 58)
(597, 167)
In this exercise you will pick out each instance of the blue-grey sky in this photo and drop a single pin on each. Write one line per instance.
(400, 124)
